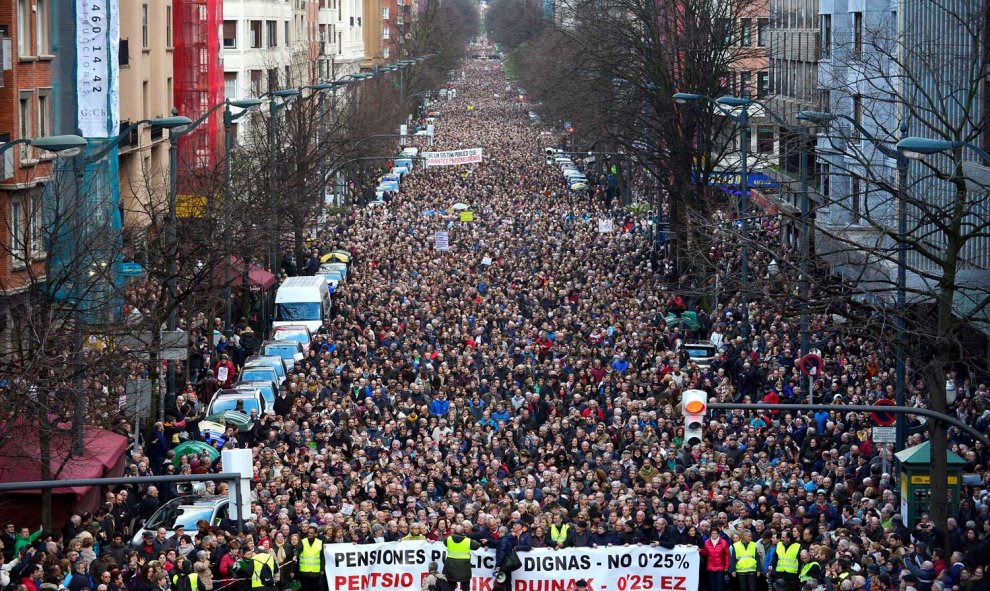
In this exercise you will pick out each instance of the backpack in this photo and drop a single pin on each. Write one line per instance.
(266, 576)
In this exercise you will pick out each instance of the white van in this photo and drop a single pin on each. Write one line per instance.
(303, 300)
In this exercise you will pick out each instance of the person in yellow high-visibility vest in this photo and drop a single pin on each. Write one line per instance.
(263, 569)
(746, 561)
(312, 563)
(561, 533)
(457, 565)
(786, 560)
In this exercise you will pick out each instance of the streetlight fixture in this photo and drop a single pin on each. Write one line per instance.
(727, 105)
(917, 148)
(62, 145)
(901, 158)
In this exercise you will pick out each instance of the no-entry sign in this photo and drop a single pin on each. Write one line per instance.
(884, 419)
(811, 365)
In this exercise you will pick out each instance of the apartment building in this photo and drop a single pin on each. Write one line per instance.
(855, 81)
(374, 33)
(303, 41)
(26, 111)
(257, 50)
(147, 87)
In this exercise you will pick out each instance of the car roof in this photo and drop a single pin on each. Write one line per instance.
(233, 393)
(201, 501)
(261, 358)
(281, 343)
(290, 327)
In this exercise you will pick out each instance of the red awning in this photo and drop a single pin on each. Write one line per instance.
(258, 278)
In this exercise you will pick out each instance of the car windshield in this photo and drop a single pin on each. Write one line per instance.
(260, 374)
(700, 351)
(284, 351)
(289, 311)
(300, 336)
(245, 405)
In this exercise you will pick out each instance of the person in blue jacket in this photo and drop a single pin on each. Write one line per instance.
(440, 405)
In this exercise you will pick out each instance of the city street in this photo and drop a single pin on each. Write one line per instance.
(503, 357)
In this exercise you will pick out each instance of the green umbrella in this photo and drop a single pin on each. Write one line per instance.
(232, 418)
(194, 448)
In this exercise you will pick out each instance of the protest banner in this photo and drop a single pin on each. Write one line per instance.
(441, 241)
(394, 566)
(453, 157)
(467, 216)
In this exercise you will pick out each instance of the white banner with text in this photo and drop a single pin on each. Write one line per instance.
(97, 75)
(453, 157)
(402, 566)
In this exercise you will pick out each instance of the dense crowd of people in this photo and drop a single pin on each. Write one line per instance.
(522, 389)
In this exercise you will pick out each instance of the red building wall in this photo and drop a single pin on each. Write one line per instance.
(198, 73)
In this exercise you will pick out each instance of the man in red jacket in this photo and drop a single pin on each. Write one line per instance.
(224, 371)
(715, 550)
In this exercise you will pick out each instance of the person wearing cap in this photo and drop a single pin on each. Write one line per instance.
(746, 560)
(312, 563)
(457, 565)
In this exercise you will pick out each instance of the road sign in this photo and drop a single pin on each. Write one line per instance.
(175, 354)
(884, 434)
(136, 400)
(884, 419)
(811, 365)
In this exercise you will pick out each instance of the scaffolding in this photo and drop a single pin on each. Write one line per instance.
(198, 72)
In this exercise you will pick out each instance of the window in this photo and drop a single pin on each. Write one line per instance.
(169, 96)
(42, 21)
(124, 53)
(385, 32)
(17, 231)
(730, 83)
(34, 229)
(288, 77)
(826, 182)
(230, 34)
(385, 13)
(146, 99)
(858, 33)
(23, 28)
(24, 123)
(856, 200)
(352, 21)
(272, 78)
(385, 51)
(168, 26)
(272, 32)
(44, 113)
(764, 140)
(145, 42)
(762, 30)
(255, 34)
(323, 34)
(857, 116)
(762, 84)
(288, 38)
(256, 82)
(745, 83)
(230, 85)
(826, 43)
(745, 32)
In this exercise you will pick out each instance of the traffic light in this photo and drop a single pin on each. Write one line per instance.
(694, 405)
(550, 152)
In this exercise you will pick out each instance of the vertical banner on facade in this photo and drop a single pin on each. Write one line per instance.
(97, 81)
(400, 566)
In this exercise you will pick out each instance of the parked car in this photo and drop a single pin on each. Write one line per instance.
(186, 511)
(268, 390)
(291, 351)
(294, 332)
(259, 373)
(273, 361)
(231, 399)
(701, 353)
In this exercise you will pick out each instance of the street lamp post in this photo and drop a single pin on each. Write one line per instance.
(228, 197)
(726, 105)
(274, 106)
(65, 146)
(901, 159)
